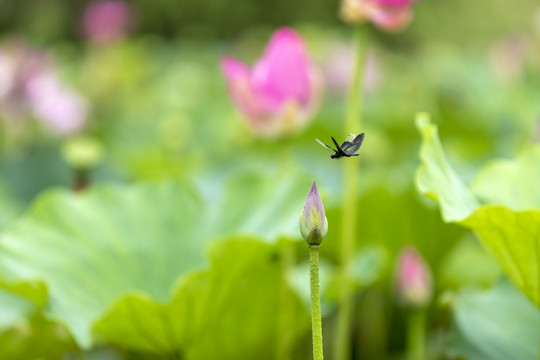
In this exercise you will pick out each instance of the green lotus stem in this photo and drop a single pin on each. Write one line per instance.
(316, 322)
(353, 122)
(416, 335)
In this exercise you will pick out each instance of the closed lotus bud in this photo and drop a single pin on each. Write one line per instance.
(413, 281)
(313, 223)
(388, 15)
(281, 92)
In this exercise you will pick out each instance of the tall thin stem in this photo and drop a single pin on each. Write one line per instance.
(316, 322)
(415, 335)
(353, 123)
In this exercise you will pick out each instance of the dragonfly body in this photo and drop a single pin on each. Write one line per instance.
(348, 148)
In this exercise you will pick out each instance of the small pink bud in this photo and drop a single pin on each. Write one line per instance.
(413, 281)
(106, 21)
(313, 223)
(280, 93)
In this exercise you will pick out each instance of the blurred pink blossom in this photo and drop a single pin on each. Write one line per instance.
(338, 68)
(106, 21)
(280, 93)
(508, 57)
(388, 15)
(413, 281)
(29, 86)
(60, 109)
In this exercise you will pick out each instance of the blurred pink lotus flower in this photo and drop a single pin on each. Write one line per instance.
(106, 21)
(18, 64)
(388, 15)
(508, 58)
(281, 92)
(60, 109)
(30, 86)
(338, 68)
(413, 281)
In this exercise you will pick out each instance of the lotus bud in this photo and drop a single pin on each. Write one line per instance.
(413, 281)
(313, 223)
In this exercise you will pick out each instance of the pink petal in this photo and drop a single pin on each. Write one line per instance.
(241, 91)
(283, 73)
(233, 68)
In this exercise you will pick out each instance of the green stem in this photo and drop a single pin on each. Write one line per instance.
(353, 123)
(415, 335)
(353, 120)
(316, 322)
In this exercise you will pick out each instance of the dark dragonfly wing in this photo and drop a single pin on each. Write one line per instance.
(346, 145)
(337, 145)
(326, 146)
(351, 147)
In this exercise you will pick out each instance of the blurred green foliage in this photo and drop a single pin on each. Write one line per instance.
(186, 186)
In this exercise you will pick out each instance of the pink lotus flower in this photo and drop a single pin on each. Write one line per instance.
(280, 93)
(106, 21)
(389, 15)
(413, 282)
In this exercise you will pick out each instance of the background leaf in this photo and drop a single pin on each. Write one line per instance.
(511, 182)
(498, 324)
(512, 237)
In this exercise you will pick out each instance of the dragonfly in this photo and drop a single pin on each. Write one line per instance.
(349, 147)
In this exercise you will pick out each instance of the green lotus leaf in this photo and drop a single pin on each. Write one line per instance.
(9, 206)
(91, 249)
(498, 324)
(36, 338)
(468, 265)
(511, 182)
(511, 236)
(436, 178)
(228, 311)
(13, 309)
(25, 334)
